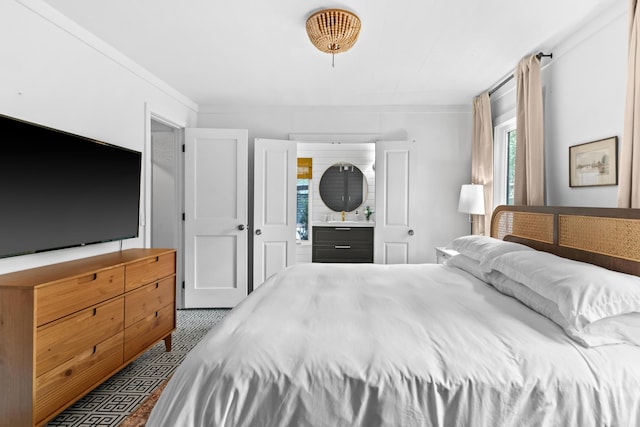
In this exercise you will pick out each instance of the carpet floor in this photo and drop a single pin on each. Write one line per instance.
(113, 401)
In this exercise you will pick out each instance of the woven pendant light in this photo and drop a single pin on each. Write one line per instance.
(333, 30)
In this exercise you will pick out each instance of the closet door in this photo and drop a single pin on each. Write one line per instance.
(216, 201)
(394, 237)
(274, 224)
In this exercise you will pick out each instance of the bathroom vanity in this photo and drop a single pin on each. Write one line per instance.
(343, 241)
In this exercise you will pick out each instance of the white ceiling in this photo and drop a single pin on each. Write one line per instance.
(256, 52)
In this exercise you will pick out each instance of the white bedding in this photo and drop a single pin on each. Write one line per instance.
(395, 345)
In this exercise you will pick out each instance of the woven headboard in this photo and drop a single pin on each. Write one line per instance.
(609, 237)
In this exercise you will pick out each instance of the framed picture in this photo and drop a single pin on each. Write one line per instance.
(594, 163)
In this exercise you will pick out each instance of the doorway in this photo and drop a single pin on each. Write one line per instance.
(166, 194)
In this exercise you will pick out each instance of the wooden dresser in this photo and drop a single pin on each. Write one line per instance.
(65, 328)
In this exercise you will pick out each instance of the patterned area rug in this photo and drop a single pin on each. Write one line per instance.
(141, 415)
(113, 401)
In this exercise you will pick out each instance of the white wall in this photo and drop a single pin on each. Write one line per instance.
(584, 89)
(165, 204)
(442, 136)
(56, 74)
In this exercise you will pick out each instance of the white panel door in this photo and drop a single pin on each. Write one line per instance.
(274, 225)
(215, 217)
(394, 237)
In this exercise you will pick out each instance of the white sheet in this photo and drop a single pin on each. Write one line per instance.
(398, 345)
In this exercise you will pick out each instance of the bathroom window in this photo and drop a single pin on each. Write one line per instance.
(302, 212)
(305, 171)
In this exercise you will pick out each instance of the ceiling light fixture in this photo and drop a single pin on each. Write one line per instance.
(333, 30)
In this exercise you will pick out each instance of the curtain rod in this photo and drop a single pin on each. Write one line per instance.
(540, 55)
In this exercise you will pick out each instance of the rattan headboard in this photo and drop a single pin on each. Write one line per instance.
(609, 237)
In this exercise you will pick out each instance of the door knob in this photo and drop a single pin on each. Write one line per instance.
(258, 232)
(411, 232)
(241, 227)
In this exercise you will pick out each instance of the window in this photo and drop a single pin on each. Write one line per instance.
(302, 211)
(504, 162)
(305, 172)
(511, 164)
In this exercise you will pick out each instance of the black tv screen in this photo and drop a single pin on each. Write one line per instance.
(59, 190)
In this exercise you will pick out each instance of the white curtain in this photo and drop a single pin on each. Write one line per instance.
(529, 168)
(482, 160)
(629, 173)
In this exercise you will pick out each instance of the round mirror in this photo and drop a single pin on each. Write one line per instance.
(343, 187)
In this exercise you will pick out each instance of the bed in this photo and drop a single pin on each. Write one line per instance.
(510, 333)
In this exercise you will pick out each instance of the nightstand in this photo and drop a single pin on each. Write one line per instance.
(443, 254)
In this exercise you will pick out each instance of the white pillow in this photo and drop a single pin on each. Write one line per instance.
(484, 248)
(624, 328)
(584, 293)
(467, 264)
(536, 302)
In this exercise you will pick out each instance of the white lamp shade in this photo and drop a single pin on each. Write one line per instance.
(471, 199)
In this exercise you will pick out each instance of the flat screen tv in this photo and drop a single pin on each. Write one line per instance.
(59, 190)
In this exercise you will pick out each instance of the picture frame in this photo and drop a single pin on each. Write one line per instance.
(594, 163)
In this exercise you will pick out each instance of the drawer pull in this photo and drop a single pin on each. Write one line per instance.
(343, 228)
(89, 278)
(157, 285)
(342, 246)
(152, 260)
(156, 314)
(95, 348)
(95, 311)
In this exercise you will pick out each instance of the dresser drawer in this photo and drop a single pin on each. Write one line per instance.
(148, 299)
(59, 341)
(139, 336)
(63, 298)
(57, 387)
(149, 270)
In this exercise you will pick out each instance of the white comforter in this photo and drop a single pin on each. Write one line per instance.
(395, 345)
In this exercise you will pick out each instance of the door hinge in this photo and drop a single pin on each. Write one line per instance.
(183, 284)
(183, 148)
(183, 216)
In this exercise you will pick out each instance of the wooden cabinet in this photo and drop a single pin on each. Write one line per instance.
(342, 244)
(65, 328)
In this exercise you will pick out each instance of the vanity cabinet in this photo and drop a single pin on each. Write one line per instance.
(342, 244)
(65, 328)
